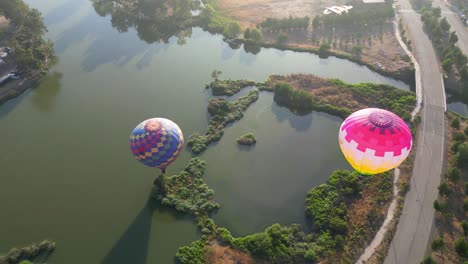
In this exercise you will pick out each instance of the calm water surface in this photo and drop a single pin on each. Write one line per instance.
(66, 170)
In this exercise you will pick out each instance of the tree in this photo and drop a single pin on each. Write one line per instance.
(438, 245)
(453, 37)
(316, 22)
(247, 33)
(465, 227)
(324, 47)
(437, 206)
(428, 260)
(461, 247)
(447, 64)
(466, 131)
(444, 25)
(444, 189)
(233, 29)
(356, 50)
(455, 123)
(454, 174)
(282, 38)
(215, 74)
(462, 155)
(256, 35)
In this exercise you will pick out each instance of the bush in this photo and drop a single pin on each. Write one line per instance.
(459, 136)
(461, 247)
(437, 244)
(282, 39)
(466, 130)
(444, 189)
(465, 227)
(428, 260)
(193, 254)
(455, 123)
(454, 174)
(324, 47)
(462, 155)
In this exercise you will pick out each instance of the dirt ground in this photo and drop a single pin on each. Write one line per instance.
(3, 22)
(252, 12)
(379, 48)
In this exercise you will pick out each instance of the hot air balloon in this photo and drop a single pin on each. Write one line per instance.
(374, 140)
(156, 142)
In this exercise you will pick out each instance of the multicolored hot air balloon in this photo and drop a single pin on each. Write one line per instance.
(156, 142)
(374, 140)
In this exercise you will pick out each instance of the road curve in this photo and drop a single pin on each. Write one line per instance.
(413, 231)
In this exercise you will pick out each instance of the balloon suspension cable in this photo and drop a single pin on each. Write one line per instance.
(163, 171)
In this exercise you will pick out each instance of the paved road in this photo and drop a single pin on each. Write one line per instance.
(455, 24)
(413, 232)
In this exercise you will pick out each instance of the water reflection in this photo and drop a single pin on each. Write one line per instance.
(132, 246)
(44, 95)
(299, 123)
(155, 21)
(62, 12)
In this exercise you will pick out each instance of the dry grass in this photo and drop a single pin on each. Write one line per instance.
(218, 254)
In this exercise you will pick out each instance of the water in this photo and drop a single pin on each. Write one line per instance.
(66, 170)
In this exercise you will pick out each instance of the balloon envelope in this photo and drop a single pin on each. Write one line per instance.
(374, 140)
(156, 142)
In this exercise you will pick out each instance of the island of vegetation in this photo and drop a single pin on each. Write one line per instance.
(222, 113)
(451, 243)
(29, 253)
(247, 139)
(28, 53)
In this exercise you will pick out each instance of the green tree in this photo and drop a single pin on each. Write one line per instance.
(437, 206)
(444, 189)
(465, 227)
(453, 37)
(462, 155)
(444, 25)
(356, 50)
(247, 33)
(455, 123)
(454, 174)
(447, 64)
(324, 48)
(282, 39)
(428, 260)
(438, 245)
(461, 247)
(215, 74)
(256, 35)
(233, 29)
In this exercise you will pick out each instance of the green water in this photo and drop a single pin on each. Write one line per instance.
(66, 170)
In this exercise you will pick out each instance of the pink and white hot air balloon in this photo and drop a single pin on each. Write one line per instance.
(374, 140)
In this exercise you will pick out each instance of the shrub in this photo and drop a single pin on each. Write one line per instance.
(455, 123)
(465, 227)
(461, 247)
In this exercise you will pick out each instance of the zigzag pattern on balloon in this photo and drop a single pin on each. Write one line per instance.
(374, 140)
(156, 142)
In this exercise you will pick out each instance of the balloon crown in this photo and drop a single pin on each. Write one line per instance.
(381, 119)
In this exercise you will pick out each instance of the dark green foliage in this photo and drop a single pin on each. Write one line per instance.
(428, 260)
(324, 47)
(453, 174)
(256, 35)
(282, 39)
(325, 206)
(247, 139)
(437, 206)
(212, 21)
(31, 51)
(453, 37)
(186, 191)
(455, 123)
(444, 189)
(465, 227)
(437, 244)
(29, 253)
(228, 87)
(288, 23)
(466, 130)
(462, 155)
(465, 205)
(459, 136)
(247, 33)
(222, 113)
(193, 254)
(461, 247)
(466, 188)
(383, 96)
(356, 50)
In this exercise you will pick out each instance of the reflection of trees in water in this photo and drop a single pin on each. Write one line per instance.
(44, 95)
(154, 20)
